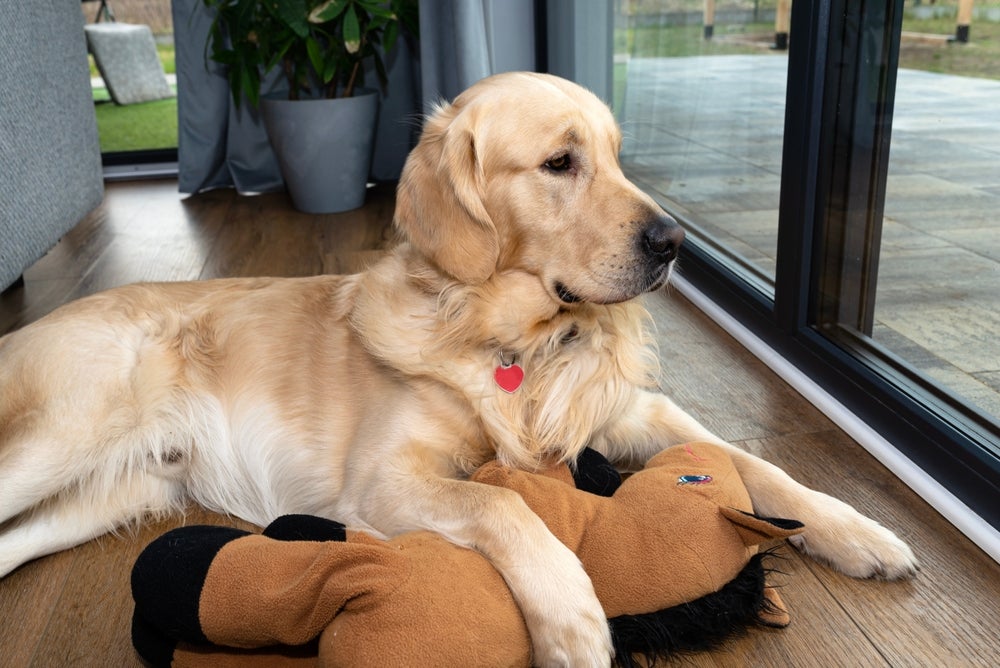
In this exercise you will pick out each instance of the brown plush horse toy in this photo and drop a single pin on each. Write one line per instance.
(673, 555)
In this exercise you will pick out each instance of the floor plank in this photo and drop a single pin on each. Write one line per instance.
(28, 600)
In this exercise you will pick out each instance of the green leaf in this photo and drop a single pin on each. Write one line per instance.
(376, 8)
(391, 33)
(407, 13)
(250, 84)
(352, 31)
(315, 52)
(328, 11)
(279, 54)
(292, 13)
(226, 57)
(331, 69)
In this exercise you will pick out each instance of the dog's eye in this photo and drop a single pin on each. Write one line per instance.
(560, 163)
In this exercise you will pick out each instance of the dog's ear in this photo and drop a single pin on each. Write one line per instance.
(439, 203)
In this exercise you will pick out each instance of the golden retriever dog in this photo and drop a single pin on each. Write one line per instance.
(369, 397)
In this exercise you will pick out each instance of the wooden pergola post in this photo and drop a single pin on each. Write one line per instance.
(782, 23)
(964, 20)
(709, 18)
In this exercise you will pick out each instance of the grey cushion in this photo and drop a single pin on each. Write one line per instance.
(126, 57)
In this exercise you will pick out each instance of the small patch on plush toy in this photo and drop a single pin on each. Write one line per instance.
(694, 480)
(676, 567)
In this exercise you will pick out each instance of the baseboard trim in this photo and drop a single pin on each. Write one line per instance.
(137, 171)
(960, 515)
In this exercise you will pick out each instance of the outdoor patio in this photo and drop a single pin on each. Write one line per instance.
(705, 133)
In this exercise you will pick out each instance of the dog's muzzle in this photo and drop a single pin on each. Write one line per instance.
(655, 246)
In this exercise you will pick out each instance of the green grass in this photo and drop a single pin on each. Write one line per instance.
(137, 127)
(686, 40)
(680, 41)
(980, 57)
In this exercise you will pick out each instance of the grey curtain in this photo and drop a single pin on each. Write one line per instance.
(218, 144)
(461, 41)
(454, 51)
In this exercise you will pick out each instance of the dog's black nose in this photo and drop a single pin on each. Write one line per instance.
(662, 238)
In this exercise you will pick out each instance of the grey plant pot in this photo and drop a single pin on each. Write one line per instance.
(324, 148)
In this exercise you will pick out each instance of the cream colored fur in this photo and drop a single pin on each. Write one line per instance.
(369, 398)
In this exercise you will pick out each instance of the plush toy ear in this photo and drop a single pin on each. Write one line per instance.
(754, 530)
(439, 202)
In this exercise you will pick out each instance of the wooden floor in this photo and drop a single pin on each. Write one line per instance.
(73, 608)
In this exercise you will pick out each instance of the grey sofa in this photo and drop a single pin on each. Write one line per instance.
(50, 159)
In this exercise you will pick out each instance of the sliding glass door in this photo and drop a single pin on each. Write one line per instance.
(937, 299)
(703, 121)
(136, 107)
(842, 200)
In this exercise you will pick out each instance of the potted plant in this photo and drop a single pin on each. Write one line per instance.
(322, 126)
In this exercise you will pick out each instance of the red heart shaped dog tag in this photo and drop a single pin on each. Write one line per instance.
(508, 377)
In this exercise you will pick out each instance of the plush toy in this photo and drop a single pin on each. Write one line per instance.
(673, 555)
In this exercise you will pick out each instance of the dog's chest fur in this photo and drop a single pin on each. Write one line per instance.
(580, 364)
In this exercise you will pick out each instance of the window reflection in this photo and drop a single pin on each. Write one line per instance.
(703, 120)
(938, 294)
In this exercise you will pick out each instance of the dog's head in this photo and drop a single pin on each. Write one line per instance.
(521, 172)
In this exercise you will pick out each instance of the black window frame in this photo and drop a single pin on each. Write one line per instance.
(140, 157)
(829, 172)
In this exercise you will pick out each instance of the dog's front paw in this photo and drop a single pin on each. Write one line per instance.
(854, 544)
(579, 639)
(567, 624)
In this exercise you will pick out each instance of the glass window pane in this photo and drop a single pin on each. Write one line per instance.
(145, 125)
(703, 120)
(937, 303)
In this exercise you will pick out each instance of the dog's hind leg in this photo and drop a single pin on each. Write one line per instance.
(30, 472)
(64, 481)
(96, 424)
(83, 511)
